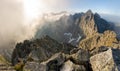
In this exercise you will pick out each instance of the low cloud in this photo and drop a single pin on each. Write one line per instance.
(12, 27)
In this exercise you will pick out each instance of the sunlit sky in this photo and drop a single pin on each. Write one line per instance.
(101, 6)
(33, 7)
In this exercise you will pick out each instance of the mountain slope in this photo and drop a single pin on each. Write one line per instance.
(73, 28)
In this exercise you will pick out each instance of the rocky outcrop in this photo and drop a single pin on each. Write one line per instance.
(44, 47)
(46, 54)
(59, 62)
(52, 64)
(106, 61)
(108, 39)
(38, 50)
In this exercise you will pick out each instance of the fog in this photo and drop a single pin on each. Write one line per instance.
(12, 27)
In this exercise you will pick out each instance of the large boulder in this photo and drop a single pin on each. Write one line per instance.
(78, 60)
(70, 66)
(106, 61)
(80, 57)
(52, 64)
(34, 66)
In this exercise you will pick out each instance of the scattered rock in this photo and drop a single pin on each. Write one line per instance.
(38, 50)
(34, 66)
(52, 64)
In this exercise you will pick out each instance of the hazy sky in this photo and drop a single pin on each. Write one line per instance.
(33, 7)
(104, 6)
(100, 6)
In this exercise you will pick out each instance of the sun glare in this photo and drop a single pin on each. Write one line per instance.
(33, 8)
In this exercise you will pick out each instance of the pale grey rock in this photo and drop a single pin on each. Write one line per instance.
(106, 61)
(80, 57)
(70, 66)
(34, 66)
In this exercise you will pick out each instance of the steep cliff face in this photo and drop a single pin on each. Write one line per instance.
(87, 24)
(91, 24)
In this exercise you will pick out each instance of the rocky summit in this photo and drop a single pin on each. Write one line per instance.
(86, 43)
(46, 54)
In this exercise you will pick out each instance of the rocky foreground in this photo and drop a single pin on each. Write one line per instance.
(97, 49)
(46, 54)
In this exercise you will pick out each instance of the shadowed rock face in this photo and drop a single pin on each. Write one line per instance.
(102, 24)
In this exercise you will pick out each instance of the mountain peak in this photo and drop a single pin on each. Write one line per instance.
(89, 12)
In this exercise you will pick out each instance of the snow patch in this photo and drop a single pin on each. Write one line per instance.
(68, 34)
(71, 39)
(79, 37)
